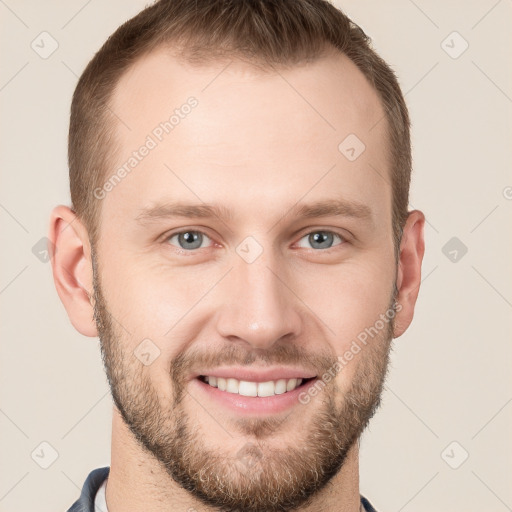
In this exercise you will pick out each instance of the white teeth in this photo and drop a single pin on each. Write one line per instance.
(232, 386)
(266, 388)
(291, 384)
(246, 388)
(221, 383)
(280, 387)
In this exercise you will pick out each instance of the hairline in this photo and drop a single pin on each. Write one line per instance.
(257, 64)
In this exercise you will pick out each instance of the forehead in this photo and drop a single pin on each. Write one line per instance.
(331, 92)
(231, 133)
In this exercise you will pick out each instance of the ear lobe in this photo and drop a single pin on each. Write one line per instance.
(72, 268)
(412, 249)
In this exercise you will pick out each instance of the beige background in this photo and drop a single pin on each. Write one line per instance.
(450, 376)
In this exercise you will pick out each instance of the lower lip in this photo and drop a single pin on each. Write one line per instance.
(253, 404)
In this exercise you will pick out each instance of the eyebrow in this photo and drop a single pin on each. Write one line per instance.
(331, 208)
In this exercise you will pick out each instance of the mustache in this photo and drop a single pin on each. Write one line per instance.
(235, 355)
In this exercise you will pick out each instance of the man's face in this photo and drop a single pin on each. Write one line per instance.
(258, 292)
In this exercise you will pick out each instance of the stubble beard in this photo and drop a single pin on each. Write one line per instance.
(259, 476)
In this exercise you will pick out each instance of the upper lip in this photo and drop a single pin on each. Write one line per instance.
(257, 374)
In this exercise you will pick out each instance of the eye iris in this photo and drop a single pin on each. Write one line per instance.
(322, 238)
(190, 237)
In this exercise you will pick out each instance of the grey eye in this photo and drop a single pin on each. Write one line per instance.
(321, 239)
(189, 240)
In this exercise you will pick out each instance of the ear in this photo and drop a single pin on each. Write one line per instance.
(408, 280)
(72, 268)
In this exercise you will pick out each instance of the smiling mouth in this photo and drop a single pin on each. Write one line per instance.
(254, 389)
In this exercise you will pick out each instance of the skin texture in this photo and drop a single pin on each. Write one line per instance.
(258, 144)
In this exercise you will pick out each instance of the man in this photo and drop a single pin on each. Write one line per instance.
(239, 240)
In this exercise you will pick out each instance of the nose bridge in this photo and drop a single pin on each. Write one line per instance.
(260, 309)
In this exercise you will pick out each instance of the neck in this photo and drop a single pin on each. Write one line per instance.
(138, 482)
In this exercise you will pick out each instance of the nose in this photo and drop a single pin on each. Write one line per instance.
(258, 307)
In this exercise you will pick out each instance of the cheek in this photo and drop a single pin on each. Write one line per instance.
(167, 306)
(351, 303)
(348, 298)
(362, 317)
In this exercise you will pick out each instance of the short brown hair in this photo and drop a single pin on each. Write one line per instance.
(269, 32)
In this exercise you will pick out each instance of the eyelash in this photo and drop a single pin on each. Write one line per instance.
(342, 238)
